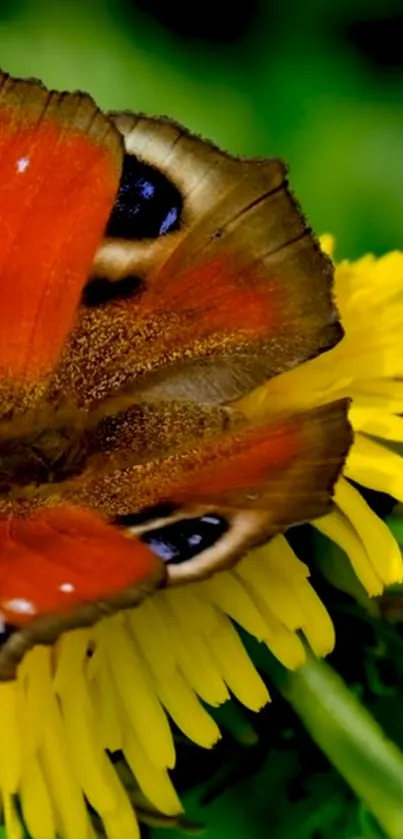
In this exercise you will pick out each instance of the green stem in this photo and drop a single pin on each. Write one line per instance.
(348, 734)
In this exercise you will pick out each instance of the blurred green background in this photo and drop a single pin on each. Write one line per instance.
(318, 83)
(321, 85)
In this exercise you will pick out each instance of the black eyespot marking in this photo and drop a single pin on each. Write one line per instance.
(148, 205)
(157, 511)
(183, 540)
(101, 290)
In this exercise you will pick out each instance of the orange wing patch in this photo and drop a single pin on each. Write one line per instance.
(241, 462)
(222, 294)
(61, 559)
(60, 162)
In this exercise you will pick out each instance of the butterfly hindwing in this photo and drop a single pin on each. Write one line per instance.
(63, 567)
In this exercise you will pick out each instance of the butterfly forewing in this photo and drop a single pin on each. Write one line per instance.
(239, 293)
(60, 162)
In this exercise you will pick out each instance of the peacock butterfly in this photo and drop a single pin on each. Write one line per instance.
(149, 282)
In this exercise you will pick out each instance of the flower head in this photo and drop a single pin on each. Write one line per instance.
(114, 688)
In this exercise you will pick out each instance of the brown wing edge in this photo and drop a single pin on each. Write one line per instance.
(89, 118)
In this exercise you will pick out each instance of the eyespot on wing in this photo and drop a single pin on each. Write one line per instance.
(238, 293)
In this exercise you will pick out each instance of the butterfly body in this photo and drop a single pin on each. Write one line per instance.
(46, 455)
(150, 282)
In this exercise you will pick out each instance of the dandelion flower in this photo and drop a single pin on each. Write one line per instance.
(115, 688)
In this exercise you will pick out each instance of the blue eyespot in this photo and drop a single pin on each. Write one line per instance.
(182, 540)
(147, 205)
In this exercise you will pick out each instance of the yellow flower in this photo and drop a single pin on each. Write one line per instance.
(116, 686)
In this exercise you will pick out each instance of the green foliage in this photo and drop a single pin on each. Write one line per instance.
(294, 86)
(297, 87)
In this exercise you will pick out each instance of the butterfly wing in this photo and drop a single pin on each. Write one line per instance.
(261, 478)
(63, 567)
(60, 163)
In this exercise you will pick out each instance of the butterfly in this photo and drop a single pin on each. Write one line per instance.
(148, 283)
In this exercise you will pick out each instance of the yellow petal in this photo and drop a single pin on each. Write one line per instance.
(317, 627)
(226, 591)
(379, 543)
(71, 816)
(13, 825)
(106, 704)
(377, 422)
(339, 530)
(373, 465)
(133, 679)
(185, 649)
(327, 243)
(122, 821)
(36, 803)
(237, 668)
(154, 783)
(267, 579)
(10, 737)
